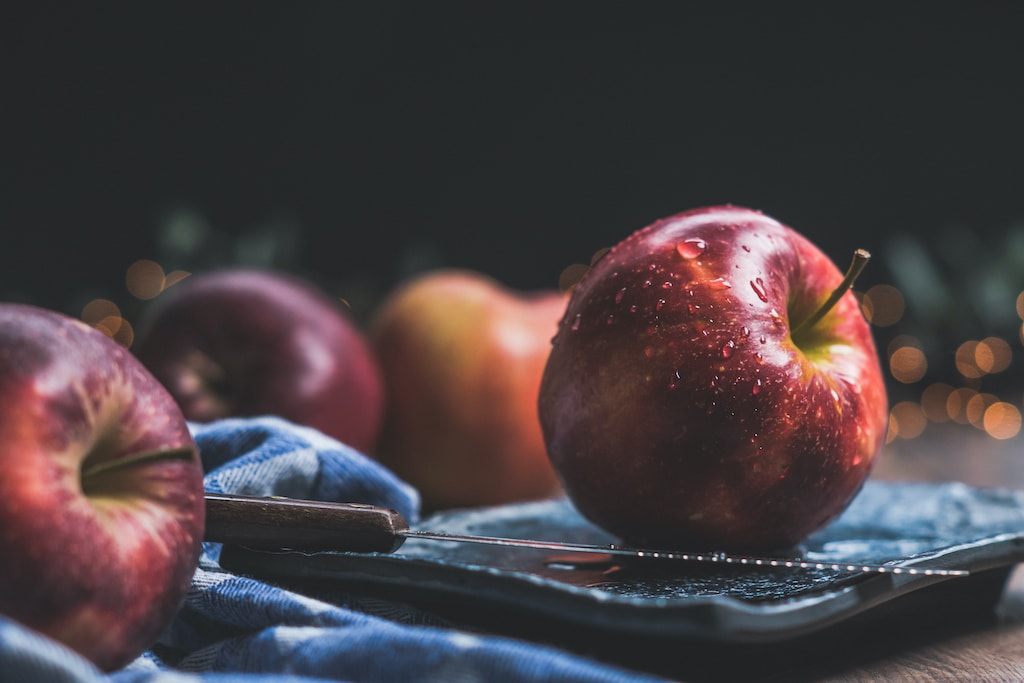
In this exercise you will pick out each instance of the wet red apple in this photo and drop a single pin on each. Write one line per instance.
(462, 357)
(707, 389)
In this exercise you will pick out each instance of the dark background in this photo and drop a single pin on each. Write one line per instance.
(358, 142)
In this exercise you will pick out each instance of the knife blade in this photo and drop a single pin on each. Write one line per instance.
(278, 523)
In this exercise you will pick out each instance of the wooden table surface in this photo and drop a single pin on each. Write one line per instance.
(986, 646)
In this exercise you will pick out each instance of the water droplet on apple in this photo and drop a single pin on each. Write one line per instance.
(756, 389)
(758, 287)
(658, 306)
(719, 283)
(646, 284)
(744, 332)
(746, 248)
(575, 323)
(759, 358)
(632, 309)
(728, 348)
(691, 248)
(776, 318)
(763, 339)
(618, 296)
(666, 285)
(610, 320)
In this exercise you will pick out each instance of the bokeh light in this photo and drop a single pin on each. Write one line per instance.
(956, 404)
(571, 276)
(599, 254)
(992, 355)
(118, 329)
(933, 401)
(976, 406)
(908, 364)
(966, 360)
(1002, 420)
(145, 279)
(174, 277)
(883, 305)
(975, 359)
(98, 309)
(907, 420)
(964, 403)
(105, 316)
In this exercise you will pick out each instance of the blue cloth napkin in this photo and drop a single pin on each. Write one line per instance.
(233, 629)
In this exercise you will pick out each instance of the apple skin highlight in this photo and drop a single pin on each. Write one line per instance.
(677, 408)
(101, 565)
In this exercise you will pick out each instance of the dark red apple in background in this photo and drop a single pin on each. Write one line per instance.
(690, 401)
(101, 489)
(462, 357)
(242, 343)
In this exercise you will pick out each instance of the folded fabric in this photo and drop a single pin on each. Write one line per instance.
(233, 629)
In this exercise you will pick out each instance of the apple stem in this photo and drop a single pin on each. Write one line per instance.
(860, 260)
(178, 453)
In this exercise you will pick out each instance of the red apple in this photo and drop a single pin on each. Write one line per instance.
(692, 401)
(101, 491)
(242, 343)
(462, 358)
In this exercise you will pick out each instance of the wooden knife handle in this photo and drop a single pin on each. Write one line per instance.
(272, 523)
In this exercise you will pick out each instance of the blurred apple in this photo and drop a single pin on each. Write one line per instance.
(462, 357)
(714, 385)
(101, 489)
(242, 343)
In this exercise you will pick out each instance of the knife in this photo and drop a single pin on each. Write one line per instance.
(277, 523)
